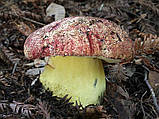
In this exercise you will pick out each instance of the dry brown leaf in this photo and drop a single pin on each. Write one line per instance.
(57, 10)
(24, 28)
(94, 112)
(26, 1)
(15, 10)
(122, 92)
(154, 79)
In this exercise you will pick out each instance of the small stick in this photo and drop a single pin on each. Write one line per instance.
(15, 66)
(33, 21)
(107, 79)
(142, 104)
(151, 90)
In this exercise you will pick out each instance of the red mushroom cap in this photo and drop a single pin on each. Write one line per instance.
(80, 36)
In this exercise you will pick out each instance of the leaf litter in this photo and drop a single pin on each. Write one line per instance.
(127, 94)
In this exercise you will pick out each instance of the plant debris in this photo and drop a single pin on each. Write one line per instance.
(58, 11)
(131, 93)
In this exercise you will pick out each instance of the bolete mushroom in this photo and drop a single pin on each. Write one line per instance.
(77, 46)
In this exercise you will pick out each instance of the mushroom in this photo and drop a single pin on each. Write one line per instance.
(76, 47)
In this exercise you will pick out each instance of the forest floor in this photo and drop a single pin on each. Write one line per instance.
(130, 86)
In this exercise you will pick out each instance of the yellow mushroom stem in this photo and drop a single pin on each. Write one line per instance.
(82, 78)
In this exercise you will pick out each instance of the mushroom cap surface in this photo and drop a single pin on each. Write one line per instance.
(80, 36)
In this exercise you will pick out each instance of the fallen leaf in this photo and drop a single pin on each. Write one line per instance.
(94, 112)
(24, 28)
(57, 10)
(124, 108)
(28, 1)
(34, 71)
(122, 92)
(154, 80)
(129, 70)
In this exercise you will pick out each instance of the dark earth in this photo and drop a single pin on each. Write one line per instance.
(132, 88)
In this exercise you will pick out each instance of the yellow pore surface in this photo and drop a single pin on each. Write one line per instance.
(82, 78)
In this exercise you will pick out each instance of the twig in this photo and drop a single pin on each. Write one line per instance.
(107, 79)
(142, 104)
(10, 15)
(36, 22)
(15, 66)
(151, 90)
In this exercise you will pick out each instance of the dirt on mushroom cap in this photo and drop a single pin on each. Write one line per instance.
(80, 36)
